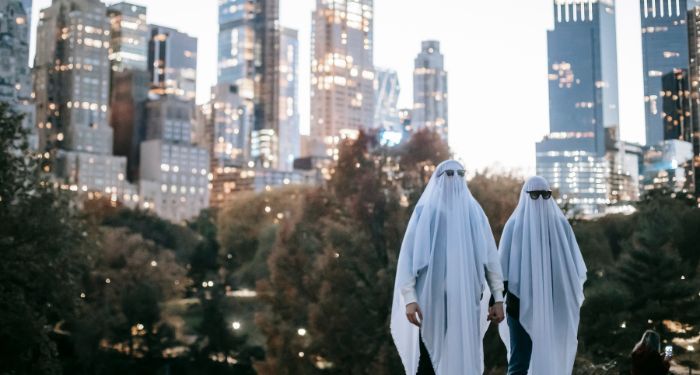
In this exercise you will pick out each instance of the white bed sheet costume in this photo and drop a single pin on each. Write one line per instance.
(545, 270)
(447, 256)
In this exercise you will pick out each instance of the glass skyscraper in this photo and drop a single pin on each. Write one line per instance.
(694, 58)
(15, 75)
(387, 121)
(249, 57)
(172, 57)
(342, 73)
(430, 90)
(583, 104)
(129, 37)
(289, 139)
(665, 58)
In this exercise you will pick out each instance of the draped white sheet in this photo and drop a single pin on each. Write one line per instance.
(544, 268)
(444, 248)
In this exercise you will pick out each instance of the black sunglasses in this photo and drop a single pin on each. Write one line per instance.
(536, 194)
(451, 172)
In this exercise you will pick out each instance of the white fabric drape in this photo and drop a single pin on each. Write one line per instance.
(444, 249)
(544, 268)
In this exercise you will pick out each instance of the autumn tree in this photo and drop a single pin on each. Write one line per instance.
(41, 256)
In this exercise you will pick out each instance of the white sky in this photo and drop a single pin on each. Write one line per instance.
(495, 55)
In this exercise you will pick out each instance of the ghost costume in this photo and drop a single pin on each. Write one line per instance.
(544, 269)
(447, 256)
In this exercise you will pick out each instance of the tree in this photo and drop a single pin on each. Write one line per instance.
(641, 276)
(498, 194)
(41, 256)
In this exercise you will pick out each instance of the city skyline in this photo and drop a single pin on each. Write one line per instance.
(470, 90)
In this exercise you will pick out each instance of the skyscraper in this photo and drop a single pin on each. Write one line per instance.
(342, 72)
(72, 88)
(15, 76)
(28, 11)
(664, 55)
(387, 121)
(583, 103)
(128, 49)
(172, 57)
(249, 58)
(694, 58)
(174, 173)
(289, 137)
(386, 99)
(430, 90)
(130, 80)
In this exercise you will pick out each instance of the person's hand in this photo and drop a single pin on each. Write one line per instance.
(413, 313)
(496, 313)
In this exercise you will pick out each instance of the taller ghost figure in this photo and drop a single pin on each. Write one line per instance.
(544, 273)
(447, 255)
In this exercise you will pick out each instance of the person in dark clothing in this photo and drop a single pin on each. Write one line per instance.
(646, 356)
(424, 365)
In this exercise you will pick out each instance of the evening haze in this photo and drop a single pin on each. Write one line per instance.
(495, 55)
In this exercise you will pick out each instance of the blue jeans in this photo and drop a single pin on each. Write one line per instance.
(520, 348)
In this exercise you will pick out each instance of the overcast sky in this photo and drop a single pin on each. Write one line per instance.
(495, 55)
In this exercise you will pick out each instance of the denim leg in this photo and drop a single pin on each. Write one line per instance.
(520, 348)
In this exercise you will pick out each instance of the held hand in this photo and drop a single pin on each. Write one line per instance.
(496, 313)
(413, 314)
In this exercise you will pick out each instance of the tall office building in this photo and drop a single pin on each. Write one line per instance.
(72, 88)
(430, 90)
(664, 54)
(342, 72)
(128, 49)
(15, 75)
(173, 171)
(387, 121)
(694, 58)
(130, 80)
(386, 99)
(28, 11)
(249, 57)
(289, 137)
(583, 104)
(172, 62)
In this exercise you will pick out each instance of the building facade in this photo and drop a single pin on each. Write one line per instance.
(386, 100)
(577, 156)
(72, 87)
(342, 72)
(430, 90)
(15, 75)
(251, 57)
(129, 81)
(666, 166)
(664, 56)
(694, 61)
(289, 137)
(174, 172)
(128, 97)
(128, 49)
(172, 62)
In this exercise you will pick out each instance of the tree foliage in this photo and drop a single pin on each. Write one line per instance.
(41, 256)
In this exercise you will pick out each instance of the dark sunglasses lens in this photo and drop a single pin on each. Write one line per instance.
(460, 173)
(450, 172)
(546, 194)
(534, 195)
